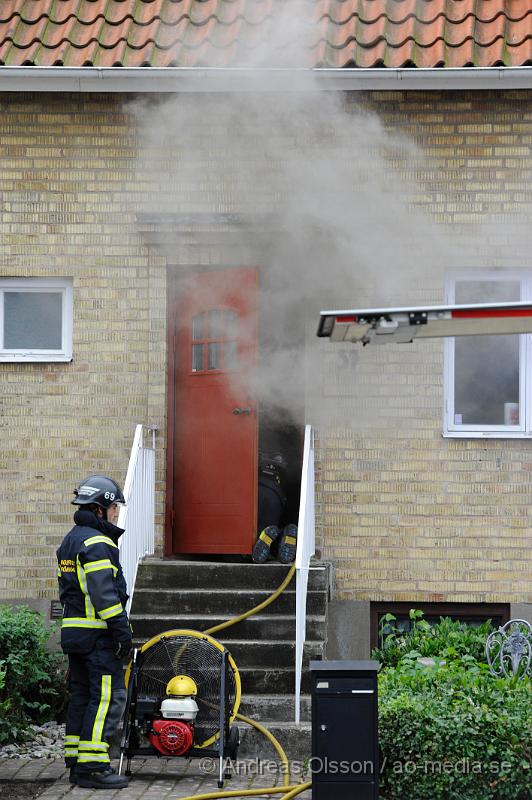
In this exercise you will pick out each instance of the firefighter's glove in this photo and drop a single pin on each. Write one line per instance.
(123, 649)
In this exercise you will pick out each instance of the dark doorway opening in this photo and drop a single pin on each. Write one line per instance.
(281, 380)
(277, 435)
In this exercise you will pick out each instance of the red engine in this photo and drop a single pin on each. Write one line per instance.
(171, 737)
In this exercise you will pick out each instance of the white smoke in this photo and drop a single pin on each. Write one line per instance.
(348, 222)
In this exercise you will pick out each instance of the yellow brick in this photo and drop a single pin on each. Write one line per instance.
(404, 514)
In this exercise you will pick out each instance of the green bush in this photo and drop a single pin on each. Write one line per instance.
(32, 688)
(452, 734)
(4, 704)
(451, 731)
(448, 639)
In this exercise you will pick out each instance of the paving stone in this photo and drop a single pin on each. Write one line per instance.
(152, 779)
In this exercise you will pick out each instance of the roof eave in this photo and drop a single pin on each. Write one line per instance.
(236, 79)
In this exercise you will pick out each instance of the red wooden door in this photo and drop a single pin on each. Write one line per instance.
(214, 504)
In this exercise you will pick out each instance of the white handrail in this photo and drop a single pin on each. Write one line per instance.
(138, 515)
(305, 550)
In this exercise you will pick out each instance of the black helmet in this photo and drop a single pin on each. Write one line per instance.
(100, 490)
(272, 463)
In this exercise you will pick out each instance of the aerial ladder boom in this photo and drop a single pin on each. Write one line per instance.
(403, 325)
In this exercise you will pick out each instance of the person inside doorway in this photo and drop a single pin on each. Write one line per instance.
(271, 512)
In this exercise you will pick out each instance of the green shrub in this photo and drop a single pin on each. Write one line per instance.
(448, 639)
(4, 704)
(32, 686)
(450, 731)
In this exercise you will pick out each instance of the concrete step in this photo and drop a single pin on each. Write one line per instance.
(197, 595)
(294, 739)
(271, 680)
(257, 679)
(280, 653)
(268, 708)
(172, 574)
(266, 627)
(221, 601)
(266, 654)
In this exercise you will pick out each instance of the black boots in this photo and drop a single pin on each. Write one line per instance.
(108, 779)
(288, 545)
(261, 550)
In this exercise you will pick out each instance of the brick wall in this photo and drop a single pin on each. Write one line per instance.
(404, 513)
(66, 185)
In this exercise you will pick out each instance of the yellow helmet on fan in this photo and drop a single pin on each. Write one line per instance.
(181, 686)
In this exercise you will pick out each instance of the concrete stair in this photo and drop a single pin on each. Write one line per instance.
(200, 594)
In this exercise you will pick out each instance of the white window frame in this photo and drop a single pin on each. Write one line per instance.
(524, 429)
(63, 285)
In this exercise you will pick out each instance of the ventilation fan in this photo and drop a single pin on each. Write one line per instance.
(183, 695)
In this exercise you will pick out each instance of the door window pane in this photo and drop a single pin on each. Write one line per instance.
(231, 320)
(33, 320)
(215, 324)
(230, 355)
(214, 356)
(219, 325)
(197, 357)
(486, 367)
(198, 327)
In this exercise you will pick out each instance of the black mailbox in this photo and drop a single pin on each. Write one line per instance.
(345, 751)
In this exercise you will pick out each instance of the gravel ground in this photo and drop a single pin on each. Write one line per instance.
(45, 746)
(46, 742)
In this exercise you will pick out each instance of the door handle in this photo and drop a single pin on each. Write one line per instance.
(238, 411)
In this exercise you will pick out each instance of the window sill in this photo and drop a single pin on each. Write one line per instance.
(487, 434)
(24, 358)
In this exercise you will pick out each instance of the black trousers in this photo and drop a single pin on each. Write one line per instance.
(271, 506)
(97, 700)
(271, 503)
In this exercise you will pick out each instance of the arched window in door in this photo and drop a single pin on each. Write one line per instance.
(214, 341)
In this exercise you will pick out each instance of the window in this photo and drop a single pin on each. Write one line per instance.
(35, 319)
(488, 379)
(214, 341)
(468, 613)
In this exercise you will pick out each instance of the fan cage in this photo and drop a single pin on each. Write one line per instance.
(200, 657)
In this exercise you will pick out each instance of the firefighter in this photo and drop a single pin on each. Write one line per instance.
(271, 509)
(95, 632)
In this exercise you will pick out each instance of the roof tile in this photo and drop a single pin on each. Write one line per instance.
(327, 33)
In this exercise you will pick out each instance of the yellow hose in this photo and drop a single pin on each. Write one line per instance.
(281, 753)
(287, 791)
(296, 790)
(291, 791)
(256, 609)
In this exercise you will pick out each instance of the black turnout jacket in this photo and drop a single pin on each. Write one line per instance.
(92, 587)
